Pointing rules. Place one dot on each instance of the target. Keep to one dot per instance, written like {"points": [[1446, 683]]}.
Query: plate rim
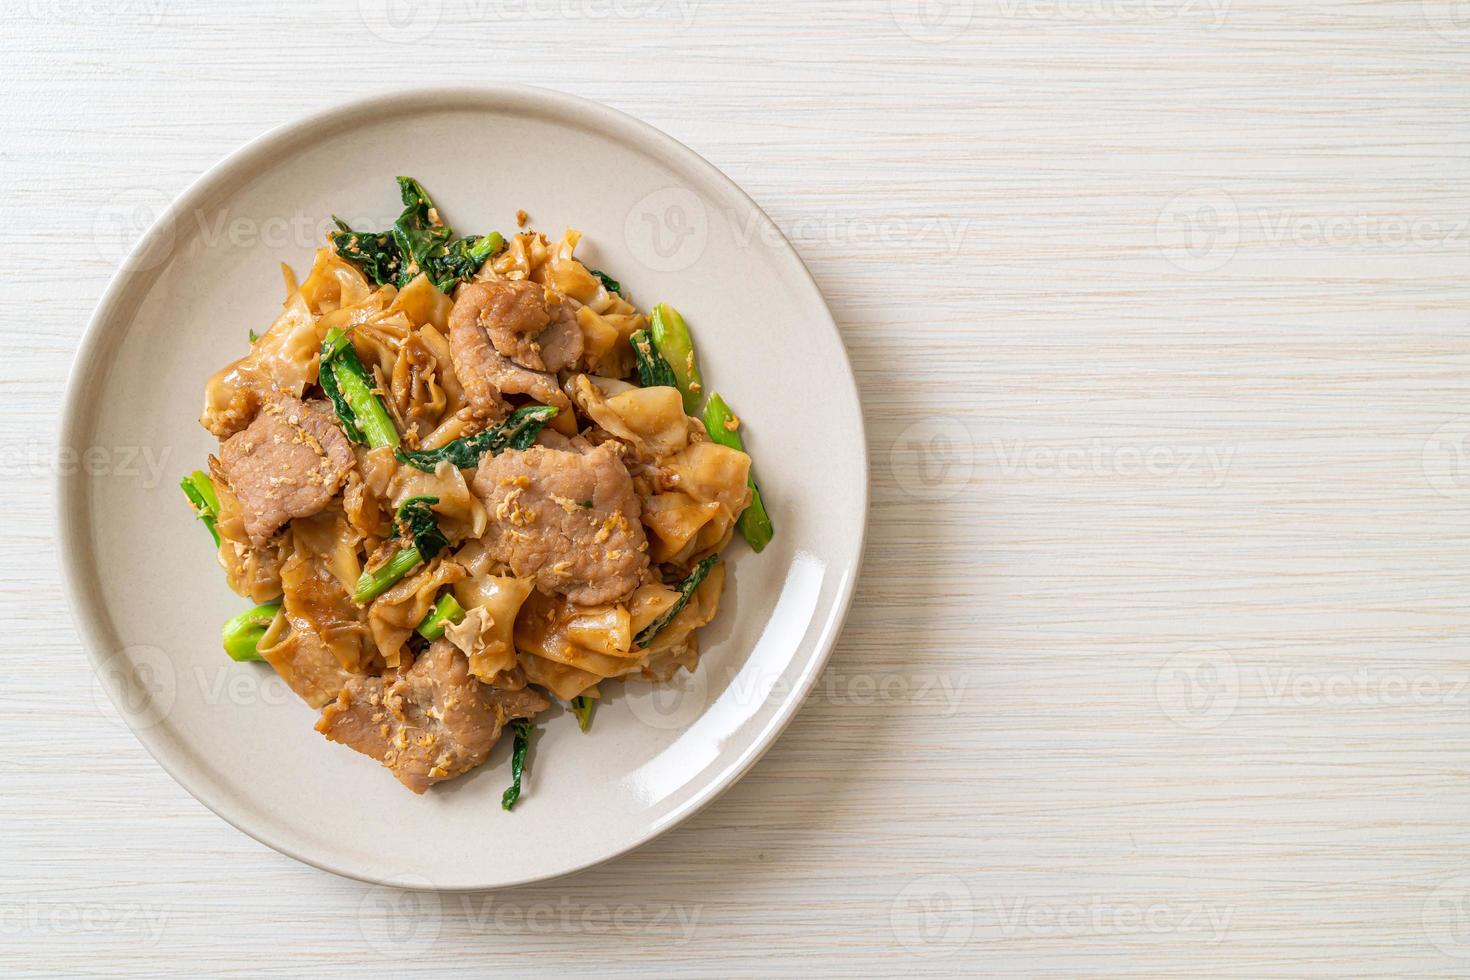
{"points": [[71, 497]]}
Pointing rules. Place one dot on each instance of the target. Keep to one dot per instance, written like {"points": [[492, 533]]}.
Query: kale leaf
{"points": [[686, 591], [522, 728], [653, 370], [415, 520], [518, 431], [608, 282], [419, 241]]}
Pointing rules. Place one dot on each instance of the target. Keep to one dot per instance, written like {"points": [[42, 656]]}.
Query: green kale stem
{"points": [[242, 634], [200, 490], [671, 336], [523, 729], [374, 583], [445, 612], [724, 428], [583, 707], [352, 392]]}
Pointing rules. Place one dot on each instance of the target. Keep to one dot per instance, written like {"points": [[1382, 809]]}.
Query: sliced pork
{"points": [[287, 463], [505, 339], [568, 518], [429, 723]]}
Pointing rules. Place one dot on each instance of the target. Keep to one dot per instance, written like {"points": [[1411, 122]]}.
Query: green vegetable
{"points": [[653, 370], [415, 520], [350, 389], [254, 336], [518, 431], [445, 611], [724, 428], [376, 254], [372, 584], [242, 634], [686, 590], [608, 282], [582, 707], [200, 490], [671, 337], [522, 728], [419, 241]]}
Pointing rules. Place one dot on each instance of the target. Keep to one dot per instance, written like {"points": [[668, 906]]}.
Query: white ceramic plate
{"points": [[150, 598]]}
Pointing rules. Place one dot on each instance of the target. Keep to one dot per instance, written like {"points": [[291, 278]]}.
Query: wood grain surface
{"points": [[1158, 664]]}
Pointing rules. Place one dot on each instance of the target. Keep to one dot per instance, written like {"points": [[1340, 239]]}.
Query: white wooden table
{"points": [[1161, 318]]}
